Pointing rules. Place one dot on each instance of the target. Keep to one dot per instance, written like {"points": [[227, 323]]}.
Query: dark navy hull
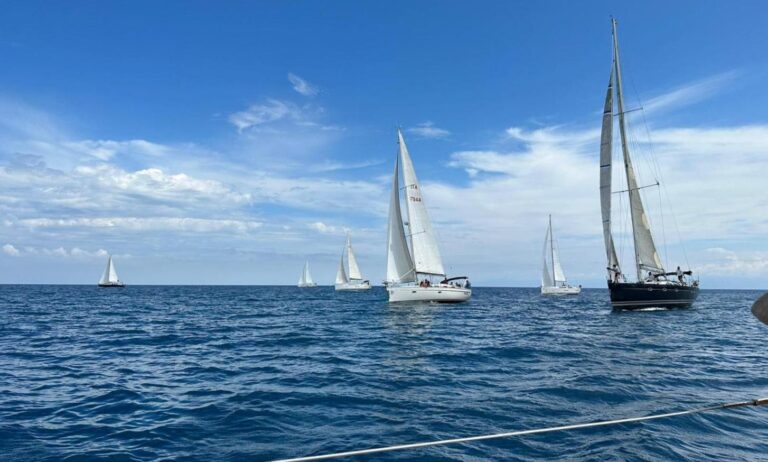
{"points": [[638, 295]]}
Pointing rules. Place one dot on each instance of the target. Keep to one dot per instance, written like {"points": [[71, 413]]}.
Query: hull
{"points": [[117, 285], [639, 295], [353, 286], [306, 286], [561, 290], [438, 293]]}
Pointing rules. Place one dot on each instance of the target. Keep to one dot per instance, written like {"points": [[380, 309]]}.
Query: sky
{"points": [[228, 142]]}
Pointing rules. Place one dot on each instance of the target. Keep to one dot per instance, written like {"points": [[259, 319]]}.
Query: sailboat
{"points": [[306, 278], [654, 286], [109, 278], [411, 272], [553, 280], [353, 281]]}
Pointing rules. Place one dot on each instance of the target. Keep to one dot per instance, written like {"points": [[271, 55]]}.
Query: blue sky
{"points": [[202, 142]]}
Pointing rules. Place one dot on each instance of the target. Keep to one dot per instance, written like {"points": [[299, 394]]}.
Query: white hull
{"points": [[353, 286], [304, 286], [437, 293], [561, 290]]}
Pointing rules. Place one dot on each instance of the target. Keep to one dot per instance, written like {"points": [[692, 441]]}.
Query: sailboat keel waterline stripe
{"points": [[602, 423]]}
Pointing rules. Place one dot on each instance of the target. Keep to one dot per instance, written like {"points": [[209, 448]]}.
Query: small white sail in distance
{"points": [[110, 274], [306, 277], [354, 269], [552, 275], [341, 275]]}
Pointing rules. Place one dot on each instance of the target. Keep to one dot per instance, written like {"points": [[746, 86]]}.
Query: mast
{"points": [[646, 256], [623, 134]]}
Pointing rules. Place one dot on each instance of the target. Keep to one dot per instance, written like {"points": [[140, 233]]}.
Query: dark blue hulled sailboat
{"points": [[655, 287]]}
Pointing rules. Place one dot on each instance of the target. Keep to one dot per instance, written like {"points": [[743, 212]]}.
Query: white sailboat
{"points": [[353, 281], [306, 278], [109, 277], [553, 280], [410, 271]]}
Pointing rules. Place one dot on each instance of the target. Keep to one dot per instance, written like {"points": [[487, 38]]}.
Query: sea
{"points": [[195, 373]]}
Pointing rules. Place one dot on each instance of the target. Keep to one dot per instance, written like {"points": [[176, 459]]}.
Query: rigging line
{"points": [[628, 111], [636, 189], [664, 193], [578, 426], [663, 230]]}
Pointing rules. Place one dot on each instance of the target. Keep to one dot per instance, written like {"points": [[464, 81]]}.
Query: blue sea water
{"points": [[256, 373]]}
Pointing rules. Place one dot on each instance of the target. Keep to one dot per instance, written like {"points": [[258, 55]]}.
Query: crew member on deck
{"points": [[679, 275], [616, 273]]}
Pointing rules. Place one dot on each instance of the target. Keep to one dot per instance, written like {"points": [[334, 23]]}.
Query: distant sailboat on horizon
{"points": [[352, 281], [109, 278], [405, 266], [655, 289], [306, 278], [553, 280]]}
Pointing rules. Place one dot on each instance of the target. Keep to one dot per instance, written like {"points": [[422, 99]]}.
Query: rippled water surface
{"points": [[257, 373]]}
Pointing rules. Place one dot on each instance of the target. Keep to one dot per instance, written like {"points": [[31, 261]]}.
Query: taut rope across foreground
{"points": [[755, 402]]}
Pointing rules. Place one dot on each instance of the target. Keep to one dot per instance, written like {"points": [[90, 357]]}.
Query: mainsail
{"points": [[646, 256], [354, 270], [606, 166], [110, 274], [426, 255], [546, 274], [399, 263], [341, 275]]}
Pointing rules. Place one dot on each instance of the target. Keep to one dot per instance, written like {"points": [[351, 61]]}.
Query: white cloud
{"points": [[321, 227], [154, 182], [281, 119], [107, 149], [727, 262], [78, 252], [301, 85], [331, 166], [9, 249], [690, 93], [259, 114], [428, 130], [198, 225]]}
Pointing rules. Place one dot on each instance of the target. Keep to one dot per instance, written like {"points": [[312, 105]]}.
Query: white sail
{"points": [[399, 262], [426, 254], [646, 256], [110, 274], [606, 166], [341, 275], [354, 270], [546, 273], [306, 275], [559, 276]]}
